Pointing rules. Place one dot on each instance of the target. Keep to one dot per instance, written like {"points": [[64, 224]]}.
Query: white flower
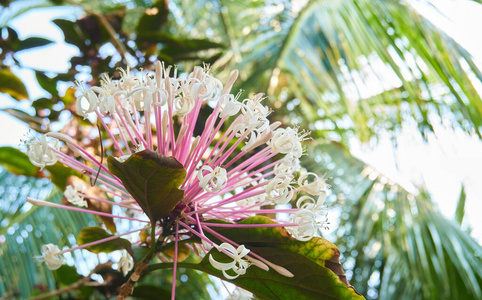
{"points": [[229, 106], [87, 101], [279, 189], [254, 116], [39, 151], [240, 294], [213, 181], [307, 202], [288, 165], [286, 141], [50, 257], [183, 105], [316, 187], [72, 195], [127, 81], [306, 225], [145, 95], [126, 263], [238, 265]]}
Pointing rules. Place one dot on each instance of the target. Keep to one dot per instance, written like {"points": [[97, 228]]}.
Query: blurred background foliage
{"points": [[342, 69]]}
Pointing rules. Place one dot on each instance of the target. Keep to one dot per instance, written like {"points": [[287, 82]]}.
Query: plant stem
{"points": [[73, 286], [127, 288]]}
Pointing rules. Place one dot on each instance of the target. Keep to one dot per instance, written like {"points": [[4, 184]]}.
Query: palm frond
{"points": [[358, 66], [396, 245], [26, 228]]}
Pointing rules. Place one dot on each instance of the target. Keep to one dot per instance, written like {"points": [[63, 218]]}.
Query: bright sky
{"points": [[442, 164]]}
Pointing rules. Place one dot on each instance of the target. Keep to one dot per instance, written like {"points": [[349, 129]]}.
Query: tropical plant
{"points": [[342, 69]]}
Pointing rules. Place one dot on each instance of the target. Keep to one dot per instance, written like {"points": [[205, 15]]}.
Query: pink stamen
{"points": [[173, 294], [55, 205], [99, 241]]}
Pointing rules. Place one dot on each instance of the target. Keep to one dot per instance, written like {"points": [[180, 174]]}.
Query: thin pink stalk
{"points": [[123, 137], [73, 162], [247, 225], [147, 125], [100, 241], [55, 205], [124, 124], [173, 293], [101, 119], [110, 202]]}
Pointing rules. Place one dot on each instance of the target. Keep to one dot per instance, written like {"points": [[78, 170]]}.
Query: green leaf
{"points": [[92, 234], [152, 179], [12, 85], [72, 33], [155, 19], [32, 42], [59, 174], [310, 281], [47, 83], [147, 291], [66, 275], [317, 249], [460, 211], [312, 262], [35, 123], [140, 252], [17, 162]]}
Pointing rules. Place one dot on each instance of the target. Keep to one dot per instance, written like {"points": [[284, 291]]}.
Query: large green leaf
{"points": [[12, 85], [152, 179], [92, 234], [17, 162], [274, 241], [317, 249], [310, 281]]}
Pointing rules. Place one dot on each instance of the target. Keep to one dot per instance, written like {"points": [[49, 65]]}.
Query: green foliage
{"points": [[17, 162], [59, 174], [330, 54], [314, 264], [152, 179], [32, 42], [93, 234], [402, 239], [318, 60], [310, 281], [12, 85], [460, 210], [25, 229]]}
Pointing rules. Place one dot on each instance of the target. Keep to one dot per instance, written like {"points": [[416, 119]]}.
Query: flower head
{"points": [[41, 151], [73, 194], [50, 256], [238, 265], [236, 164]]}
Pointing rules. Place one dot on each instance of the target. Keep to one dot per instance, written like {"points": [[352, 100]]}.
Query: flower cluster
{"points": [[239, 165]]}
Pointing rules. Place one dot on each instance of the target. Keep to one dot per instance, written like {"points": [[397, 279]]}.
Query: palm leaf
{"points": [[25, 229], [368, 65], [396, 245]]}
